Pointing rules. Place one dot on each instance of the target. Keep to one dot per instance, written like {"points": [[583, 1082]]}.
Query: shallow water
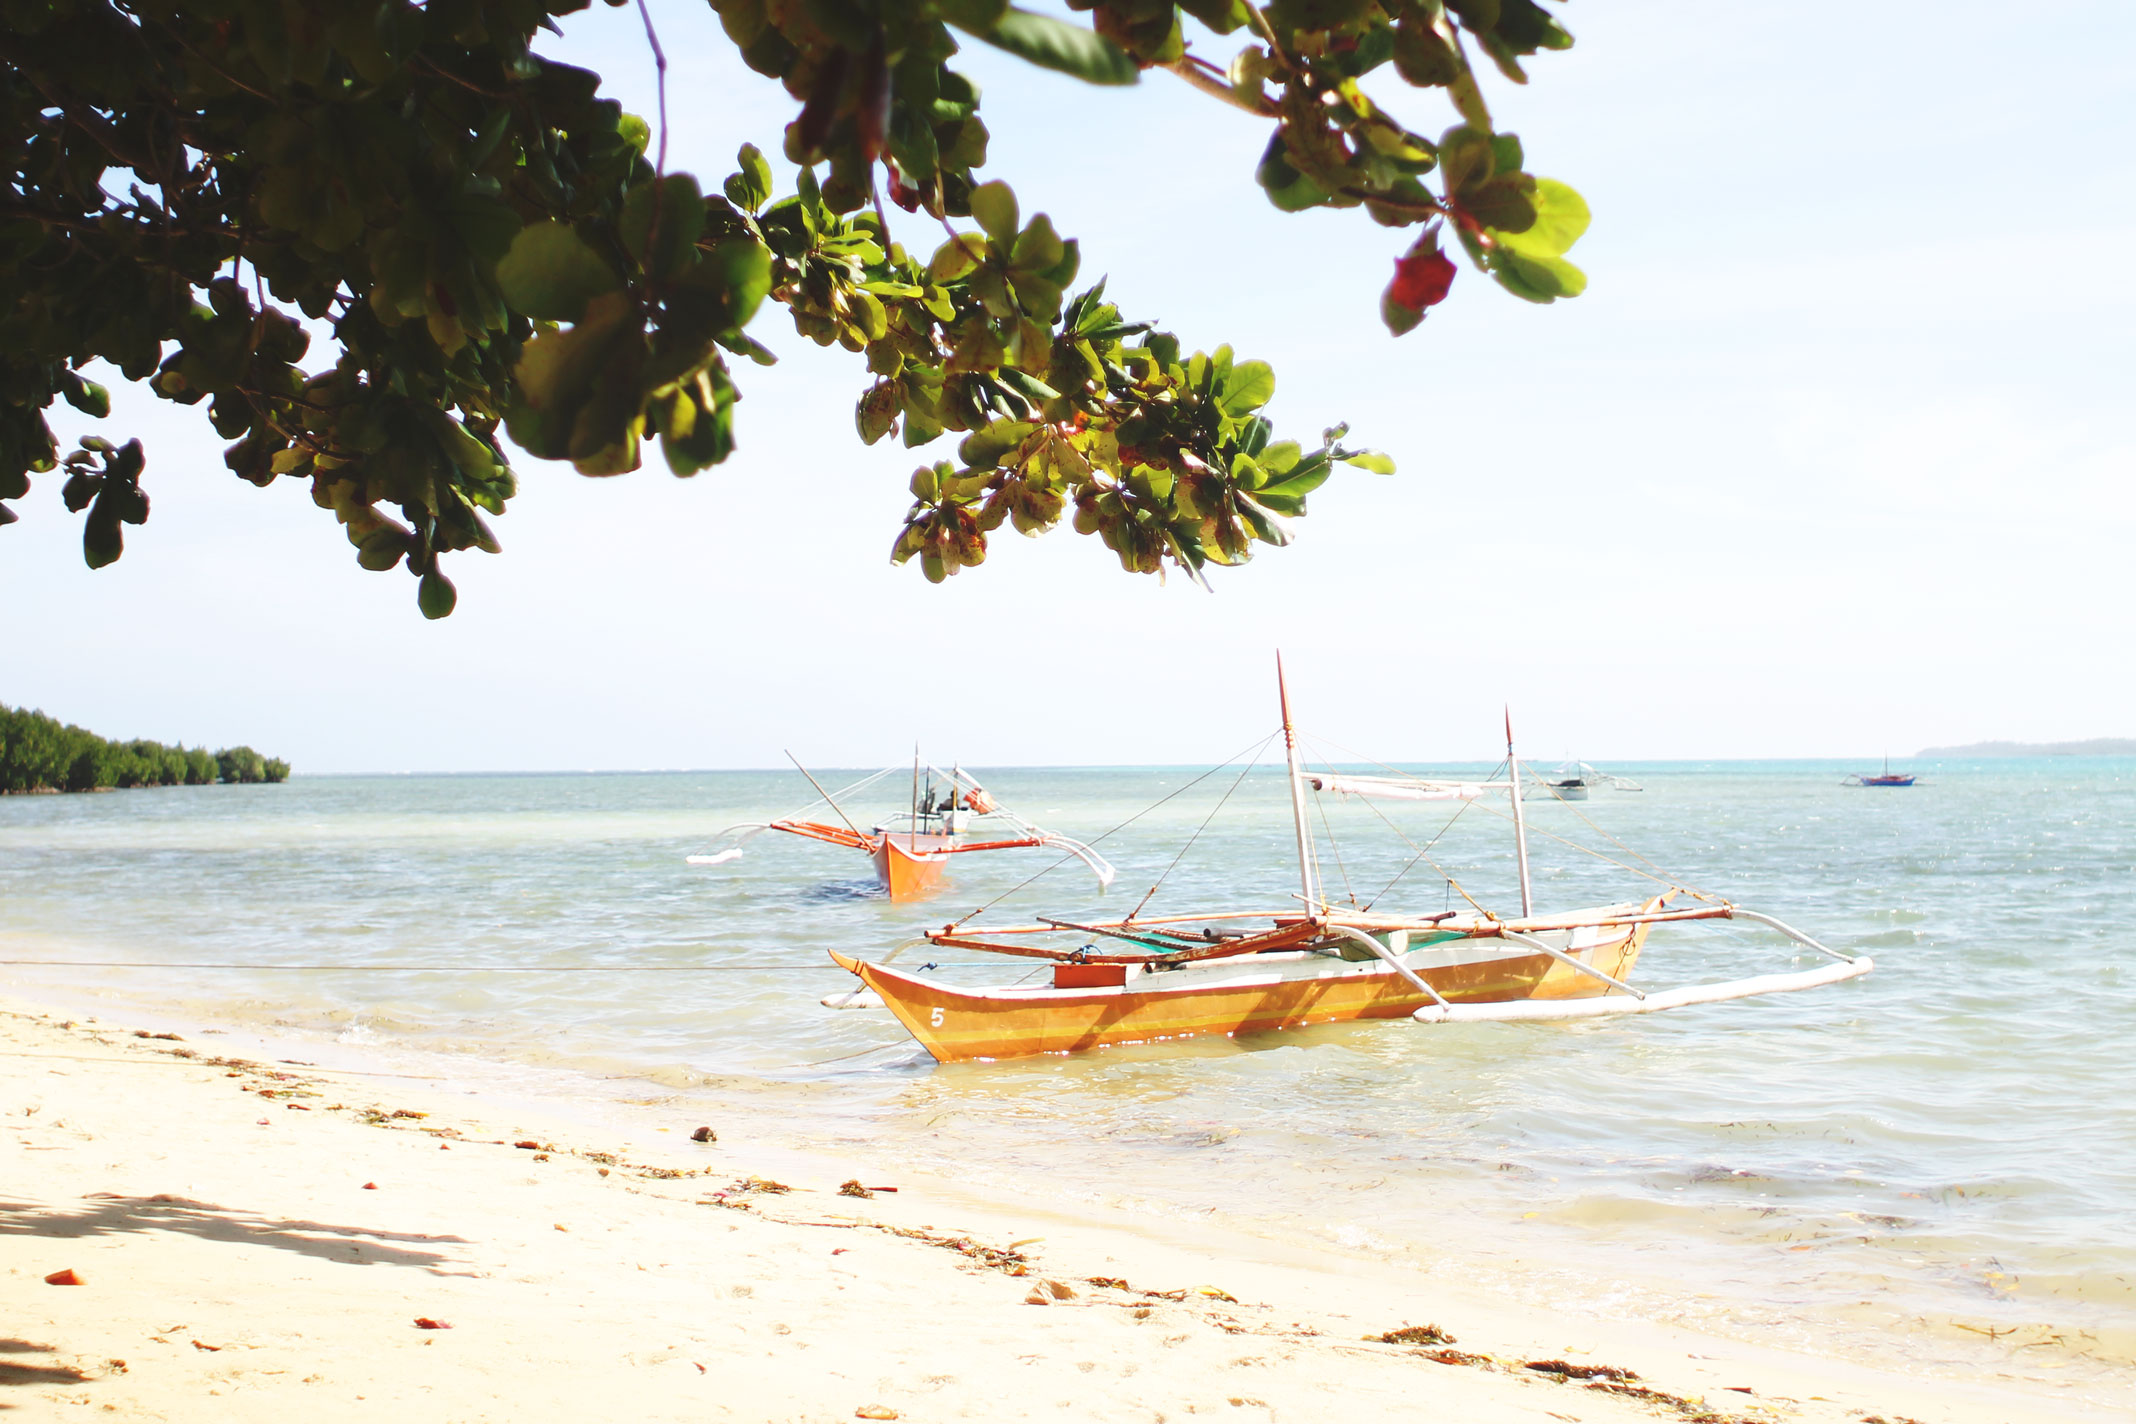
{"points": [[1948, 1145]]}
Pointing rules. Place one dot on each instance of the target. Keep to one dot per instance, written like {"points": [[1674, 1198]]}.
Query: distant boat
{"points": [[1887, 778], [911, 849], [1573, 780]]}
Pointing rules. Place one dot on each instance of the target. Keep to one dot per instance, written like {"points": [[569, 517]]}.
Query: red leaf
{"points": [[1423, 277]]}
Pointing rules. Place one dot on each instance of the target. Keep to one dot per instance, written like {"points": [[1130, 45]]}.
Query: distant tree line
{"points": [[40, 753]]}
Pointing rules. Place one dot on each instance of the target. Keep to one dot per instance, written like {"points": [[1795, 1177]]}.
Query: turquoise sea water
{"points": [[1945, 1149]]}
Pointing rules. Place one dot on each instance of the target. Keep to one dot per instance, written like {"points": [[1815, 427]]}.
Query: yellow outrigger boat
{"points": [[1186, 976]]}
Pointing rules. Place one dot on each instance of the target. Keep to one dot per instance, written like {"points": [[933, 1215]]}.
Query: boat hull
{"points": [[909, 867], [1613, 951], [1230, 997]]}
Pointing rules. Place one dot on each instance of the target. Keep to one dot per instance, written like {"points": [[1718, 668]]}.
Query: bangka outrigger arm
{"points": [[1635, 1002]]}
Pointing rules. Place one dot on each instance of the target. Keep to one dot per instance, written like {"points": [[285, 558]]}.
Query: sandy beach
{"points": [[260, 1240]]}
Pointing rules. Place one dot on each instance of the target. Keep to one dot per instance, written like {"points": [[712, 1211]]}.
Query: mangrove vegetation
{"points": [[40, 753]]}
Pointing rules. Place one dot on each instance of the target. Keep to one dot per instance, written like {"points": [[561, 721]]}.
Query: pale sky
{"points": [[1833, 458]]}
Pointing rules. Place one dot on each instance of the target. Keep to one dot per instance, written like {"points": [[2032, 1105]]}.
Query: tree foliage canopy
{"points": [[40, 753], [200, 186]]}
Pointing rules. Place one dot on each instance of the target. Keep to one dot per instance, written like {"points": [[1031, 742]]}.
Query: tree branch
{"points": [[1204, 77], [89, 223]]}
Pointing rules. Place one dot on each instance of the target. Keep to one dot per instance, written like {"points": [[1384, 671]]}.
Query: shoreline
{"points": [[210, 1190]]}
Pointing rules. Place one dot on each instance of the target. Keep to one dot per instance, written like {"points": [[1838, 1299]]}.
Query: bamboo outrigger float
{"points": [[911, 850], [1184, 976]]}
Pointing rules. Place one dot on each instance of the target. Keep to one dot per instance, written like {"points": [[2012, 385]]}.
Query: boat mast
{"points": [[1297, 790], [825, 795], [1520, 824]]}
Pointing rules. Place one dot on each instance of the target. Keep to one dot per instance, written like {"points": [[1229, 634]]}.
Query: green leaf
{"points": [[1287, 188], [1249, 386], [1399, 320], [87, 396], [986, 447], [1506, 203], [1056, 44], [1280, 458], [1371, 460], [1561, 219], [972, 16], [1026, 385], [1222, 16], [1150, 482], [743, 269], [1420, 55], [1465, 157], [1038, 248], [697, 425], [680, 210], [955, 258], [1530, 264], [1540, 279], [994, 209], [1268, 526], [750, 188], [1287, 496], [579, 386], [436, 595], [102, 541], [382, 548], [550, 273]]}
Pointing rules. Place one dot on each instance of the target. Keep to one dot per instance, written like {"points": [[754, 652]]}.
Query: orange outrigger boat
{"points": [[909, 862], [1186, 976]]}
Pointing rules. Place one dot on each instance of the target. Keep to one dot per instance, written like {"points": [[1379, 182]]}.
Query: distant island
{"points": [[43, 754], [2097, 746]]}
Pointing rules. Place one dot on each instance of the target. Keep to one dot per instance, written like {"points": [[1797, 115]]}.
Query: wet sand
{"points": [[263, 1240]]}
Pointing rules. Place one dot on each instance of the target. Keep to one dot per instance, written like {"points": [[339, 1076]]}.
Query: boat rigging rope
{"points": [[1321, 806], [749, 830], [1251, 762], [827, 798], [1255, 751], [1657, 875], [1349, 892], [1423, 854]]}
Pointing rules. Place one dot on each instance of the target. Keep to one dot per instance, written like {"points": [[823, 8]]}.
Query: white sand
{"points": [[236, 1266]]}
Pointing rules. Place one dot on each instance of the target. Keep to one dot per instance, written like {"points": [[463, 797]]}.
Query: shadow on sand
{"points": [[106, 1215], [20, 1373]]}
